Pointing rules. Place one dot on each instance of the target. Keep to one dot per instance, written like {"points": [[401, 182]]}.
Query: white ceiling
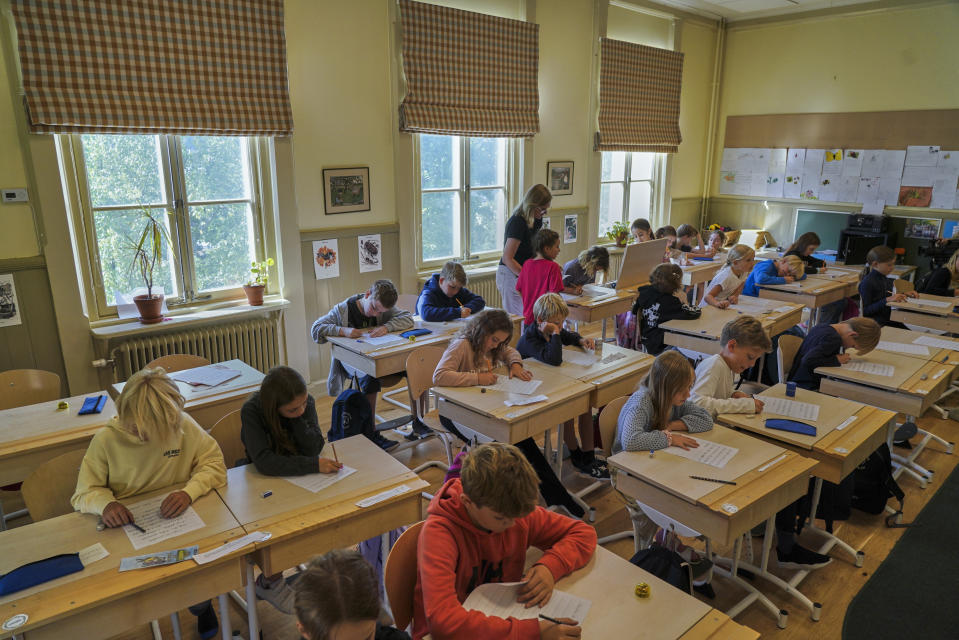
{"points": [[734, 10]]}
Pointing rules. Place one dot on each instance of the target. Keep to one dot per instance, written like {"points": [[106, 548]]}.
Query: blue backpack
{"points": [[351, 416]]}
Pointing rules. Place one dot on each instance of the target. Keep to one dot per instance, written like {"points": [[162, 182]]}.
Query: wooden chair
{"points": [[226, 432], [399, 576], [22, 387], [178, 362], [902, 285], [47, 491], [608, 419], [420, 365], [785, 354]]}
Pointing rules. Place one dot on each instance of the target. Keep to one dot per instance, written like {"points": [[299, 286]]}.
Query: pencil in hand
{"points": [[138, 527], [335, 457]]}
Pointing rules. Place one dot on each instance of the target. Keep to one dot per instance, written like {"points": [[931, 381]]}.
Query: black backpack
{"points": [[351, 416], [923, 281], [873, 484], [667, 565]]}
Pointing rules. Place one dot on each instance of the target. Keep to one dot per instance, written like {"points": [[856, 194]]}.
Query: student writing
{"points": [[823, 347], [641, 230], [445, 297], [743, 342], [876, 288], [661, 301], [584, 268], [726, 286], [689, 241], [782, 271]]}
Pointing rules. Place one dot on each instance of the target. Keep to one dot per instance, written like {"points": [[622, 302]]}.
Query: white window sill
{"points": [[232, 310]]}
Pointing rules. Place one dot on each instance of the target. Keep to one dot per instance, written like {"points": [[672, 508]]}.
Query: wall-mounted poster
{"points": [[371, 253], [571, 229], [9, 310], [326, 259], [346, 190], [923, 228], [559, 177]]}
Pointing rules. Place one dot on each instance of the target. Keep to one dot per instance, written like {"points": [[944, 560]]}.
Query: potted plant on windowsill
{"points": [[147, 256], [619, 233], [255, 288]]}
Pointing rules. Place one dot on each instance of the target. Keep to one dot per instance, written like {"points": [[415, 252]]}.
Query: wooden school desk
{"points": [[928, 316], [205, 404], [768, 478], [584, 309], [811, 293], [839, 445], [906, 271], [99, 602], [905, 336], [699, 272], [838, 274], [616, 372], [304, 524], [616, 612], [703, 334], [484, 411], [31, 435]]}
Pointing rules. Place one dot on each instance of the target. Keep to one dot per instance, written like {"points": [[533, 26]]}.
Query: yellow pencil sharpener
{"points": [[63, 406], [642, 590]]}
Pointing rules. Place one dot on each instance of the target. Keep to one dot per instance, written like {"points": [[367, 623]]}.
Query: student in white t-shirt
{"points": [[743, 342], [727, 284]]}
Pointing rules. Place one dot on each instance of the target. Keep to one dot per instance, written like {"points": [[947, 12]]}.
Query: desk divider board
{"points": [[639, 260]]}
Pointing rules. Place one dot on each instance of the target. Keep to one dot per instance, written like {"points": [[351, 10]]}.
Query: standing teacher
{"points": [[526, 220]]}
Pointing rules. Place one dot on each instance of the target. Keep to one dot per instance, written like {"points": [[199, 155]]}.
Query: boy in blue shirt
{"points": [[445, 297], [782, 271]]}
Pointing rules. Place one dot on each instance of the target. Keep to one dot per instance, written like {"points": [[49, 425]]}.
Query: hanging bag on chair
{"points": [[351, 414]]}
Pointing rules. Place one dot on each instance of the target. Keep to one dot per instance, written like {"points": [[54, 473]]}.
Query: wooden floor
{"points": [[834, 586]]}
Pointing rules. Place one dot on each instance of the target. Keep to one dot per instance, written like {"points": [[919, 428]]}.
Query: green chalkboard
{"points": [[826, 224]]}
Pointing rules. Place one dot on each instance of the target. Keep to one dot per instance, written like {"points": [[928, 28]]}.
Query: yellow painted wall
{"points": [[19, 238], [698, 44], [638, 27]]}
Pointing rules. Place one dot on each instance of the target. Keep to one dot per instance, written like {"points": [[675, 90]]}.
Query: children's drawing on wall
{"points": [[371, 253], [832, 162], [571, 229], [326, 259], [916, 197], [792, 185], [9, 310]]}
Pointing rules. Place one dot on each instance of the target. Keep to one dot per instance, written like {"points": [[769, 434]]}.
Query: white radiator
{"points": [[254, 341], [615, 262], [485, 285]]}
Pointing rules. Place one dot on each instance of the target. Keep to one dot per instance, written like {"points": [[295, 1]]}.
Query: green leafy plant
{"points": [[618, 232], [148, 250], [261, 269]]}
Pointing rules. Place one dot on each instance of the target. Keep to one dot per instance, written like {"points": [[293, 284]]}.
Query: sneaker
{"points": [[802, 558], [419, 430], [903, 433], [597, 471], [279, 594], [383, 442], [207, 626]]}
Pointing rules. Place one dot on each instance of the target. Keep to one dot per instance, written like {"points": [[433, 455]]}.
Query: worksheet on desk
{"points": [[582, 358], [499, 599], [937, 343], [903, 347], [147, 515], [596, 291], [210, 375], [873, 368], [942, 304], [318, 481], [389, 338], [515, 385], [711, 453], [790, 408]]}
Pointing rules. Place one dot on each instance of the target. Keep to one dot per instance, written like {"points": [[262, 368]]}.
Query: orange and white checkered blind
{"points": [[216, 67], [639, 89], [468, 74]]}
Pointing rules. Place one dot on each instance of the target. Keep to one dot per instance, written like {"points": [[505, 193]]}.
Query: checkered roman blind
{"points": [[210, 67], [639, 89], [468, 74]]}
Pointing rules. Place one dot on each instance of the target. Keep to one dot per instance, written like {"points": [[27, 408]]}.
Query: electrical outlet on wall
{"points": [[13, 195]]}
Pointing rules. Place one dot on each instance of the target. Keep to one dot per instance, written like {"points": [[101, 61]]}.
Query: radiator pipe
{"points": [[103, 363]]}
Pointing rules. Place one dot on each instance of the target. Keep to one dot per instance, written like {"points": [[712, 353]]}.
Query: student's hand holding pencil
{"points": [[175, 504], [381, 330], [566, 628], [116, 515], [329, 466], [537, 587]]}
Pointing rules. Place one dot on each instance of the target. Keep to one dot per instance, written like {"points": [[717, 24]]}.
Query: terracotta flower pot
{"points": [[621, 240], [149, 308], [254, 294]]}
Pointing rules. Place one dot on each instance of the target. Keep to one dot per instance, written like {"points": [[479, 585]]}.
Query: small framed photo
{"points": [[346, 190], [559, 178]]}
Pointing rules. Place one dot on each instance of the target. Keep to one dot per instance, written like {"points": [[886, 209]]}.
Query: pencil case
{"points": [[93, 404], [34, 573], [790, 425], [702, 259], [413, 333]]}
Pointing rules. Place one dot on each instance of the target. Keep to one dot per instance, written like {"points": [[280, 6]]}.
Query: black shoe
{"points": [[903, 433], [598, 470], [705, 589], [802, 558], [207, 626], [384, 443], [419, 430]]}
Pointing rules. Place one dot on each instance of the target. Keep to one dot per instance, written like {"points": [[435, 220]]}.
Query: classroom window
{"points": [[462, 194], [629, 187], [202, 187]]}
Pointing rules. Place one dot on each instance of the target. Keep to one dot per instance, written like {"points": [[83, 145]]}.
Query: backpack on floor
{"points": [[666, 565], [835, 502], [873, 483], [351, 416]]}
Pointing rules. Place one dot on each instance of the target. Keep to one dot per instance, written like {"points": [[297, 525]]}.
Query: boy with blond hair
{"points": [[782, 271], [544, 340], [478, 529], [743, 342], [445, 297]]}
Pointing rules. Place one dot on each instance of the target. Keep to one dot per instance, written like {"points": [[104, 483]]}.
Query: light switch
{"points": [[13, 195]]}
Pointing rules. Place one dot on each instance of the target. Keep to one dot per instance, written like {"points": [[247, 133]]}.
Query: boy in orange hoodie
{"points": [[478, 529]]}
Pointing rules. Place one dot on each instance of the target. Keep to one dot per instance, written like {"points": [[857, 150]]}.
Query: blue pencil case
{"points": [[93, 404], [34, 573], [413, 333], [702, 258], [790, 425]]}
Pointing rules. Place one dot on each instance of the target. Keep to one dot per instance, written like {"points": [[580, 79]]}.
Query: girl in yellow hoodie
{"points": [[151, 444]]}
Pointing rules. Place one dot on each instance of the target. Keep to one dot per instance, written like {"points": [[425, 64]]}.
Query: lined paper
{"points": [[499, 600], [937, 343], [791, 408], [583, 359], [942, 304], [902, 347], [389, 338], [516, 400], [711, 453], [873, 368], [147, 515], [318, 481], [210, 375], [515, 385]]}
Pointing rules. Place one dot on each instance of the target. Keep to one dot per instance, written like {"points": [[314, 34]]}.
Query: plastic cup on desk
{"points": [[791, 389]]}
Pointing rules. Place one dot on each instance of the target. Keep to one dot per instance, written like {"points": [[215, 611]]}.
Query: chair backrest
{"points": [[903, 286], [608, 418], [47, 491], [178, 362], [420, 365], [785, 354], [399, 575], [22, 387], [226, 432], [407, 302]]}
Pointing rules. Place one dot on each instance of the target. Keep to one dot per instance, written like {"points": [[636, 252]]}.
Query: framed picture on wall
{"points": [[346, 190], [559, 178]]}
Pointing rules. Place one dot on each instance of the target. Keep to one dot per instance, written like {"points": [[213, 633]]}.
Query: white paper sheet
{"points": [[775, 183], [318, 481], [852, 162], [583, 359], [942, 304], [147, 515], [597, 291], [937, 343], [873, 207], [210, 375], [873, 368], [918, 176], [711, 453], [848, 189], [383, 495], [892, 164], [499, 600], [922, 156], [949, 158], [868, 190], [944, 194], [389, 338], [231, 546], [777, 161], [515, 385], [795, 159], [902, 347], [829, 188], [812, 165], [791, 408], [889, 190], [792, 186], [519, 400], [93, 553], [832, 164], [811, 185]]}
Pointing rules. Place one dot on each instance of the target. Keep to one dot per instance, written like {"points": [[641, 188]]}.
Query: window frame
{"points": [[657, 185], [99, 304], [465, 257]]}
